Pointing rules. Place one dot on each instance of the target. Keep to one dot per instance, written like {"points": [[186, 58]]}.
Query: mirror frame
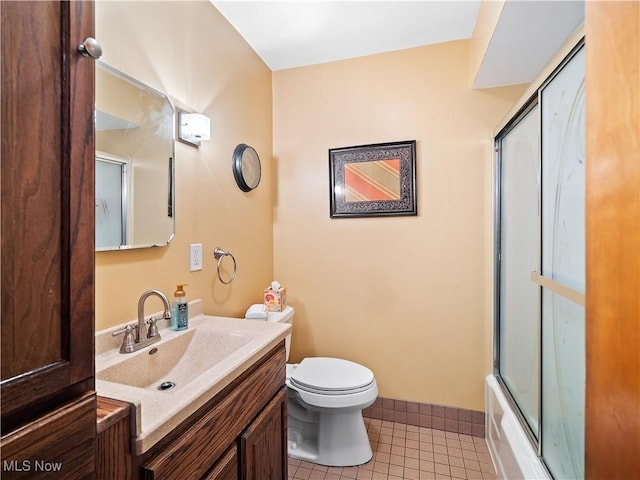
{"points": [[406, 203], [170, 165]]}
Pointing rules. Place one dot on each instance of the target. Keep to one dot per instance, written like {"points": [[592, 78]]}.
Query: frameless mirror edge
{"points": [[129, 78]]}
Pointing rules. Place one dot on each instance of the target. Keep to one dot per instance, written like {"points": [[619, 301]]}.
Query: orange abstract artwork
{"points": [[371, 181]]}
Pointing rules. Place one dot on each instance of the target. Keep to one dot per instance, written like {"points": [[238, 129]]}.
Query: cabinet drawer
{"points": [[60, 445], [193, 453]]}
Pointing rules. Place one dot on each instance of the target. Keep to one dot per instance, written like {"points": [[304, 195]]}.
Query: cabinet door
{"points": [[264, 443], [226, 468], [47, 216]]}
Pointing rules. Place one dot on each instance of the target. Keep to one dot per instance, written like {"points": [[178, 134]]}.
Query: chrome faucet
{"points": [[142, 338]]}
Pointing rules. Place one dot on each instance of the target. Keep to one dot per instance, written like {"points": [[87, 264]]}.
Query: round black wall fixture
{"points": [[246, 167]]}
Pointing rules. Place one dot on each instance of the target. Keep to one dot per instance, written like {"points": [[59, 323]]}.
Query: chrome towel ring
{"points": [[219, 254]]}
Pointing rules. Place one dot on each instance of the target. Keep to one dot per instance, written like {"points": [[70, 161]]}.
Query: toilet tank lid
{"points": [[332, 374], [284, 316]]}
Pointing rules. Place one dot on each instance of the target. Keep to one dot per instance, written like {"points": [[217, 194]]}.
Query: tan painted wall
{"points": [[189, 51], [407, 296]]}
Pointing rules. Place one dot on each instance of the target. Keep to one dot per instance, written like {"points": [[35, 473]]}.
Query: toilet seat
{"points": [[330, 376]]}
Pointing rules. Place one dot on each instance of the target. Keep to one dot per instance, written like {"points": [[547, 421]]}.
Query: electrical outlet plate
{"points": [[195, 257]]}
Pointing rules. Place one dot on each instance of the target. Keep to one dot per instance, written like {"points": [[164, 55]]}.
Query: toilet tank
{"points": [[285, 316]]}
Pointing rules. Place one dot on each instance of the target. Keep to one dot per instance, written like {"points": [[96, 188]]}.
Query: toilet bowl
{"points": [[325, 401]]}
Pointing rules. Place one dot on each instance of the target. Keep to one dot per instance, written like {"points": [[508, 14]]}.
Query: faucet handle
{"points": [[128, 341], [153, 328]]}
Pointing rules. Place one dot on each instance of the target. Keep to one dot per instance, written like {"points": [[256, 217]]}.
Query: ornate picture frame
{"points": [[373, 180]]}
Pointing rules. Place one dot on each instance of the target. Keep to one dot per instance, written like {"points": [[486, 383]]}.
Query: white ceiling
{"points": [[293, 33]]}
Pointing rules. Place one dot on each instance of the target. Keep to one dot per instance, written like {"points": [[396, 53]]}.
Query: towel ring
{"points": [[219, 254]]}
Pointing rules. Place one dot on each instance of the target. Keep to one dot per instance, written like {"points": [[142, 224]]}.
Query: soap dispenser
{"points": [[180, 309]]}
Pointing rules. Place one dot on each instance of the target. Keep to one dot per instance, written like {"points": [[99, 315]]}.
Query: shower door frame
{"points": [[532, 101], [528, 106]]}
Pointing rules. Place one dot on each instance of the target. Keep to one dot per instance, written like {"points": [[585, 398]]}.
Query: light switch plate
{"points": [[195, 257]]}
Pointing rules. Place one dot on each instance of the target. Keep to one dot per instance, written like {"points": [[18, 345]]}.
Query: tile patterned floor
{"points": [[408, 452]]}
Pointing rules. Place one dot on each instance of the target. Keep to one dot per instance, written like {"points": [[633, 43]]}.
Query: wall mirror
{"points": [[373, 180], [134, 163]]}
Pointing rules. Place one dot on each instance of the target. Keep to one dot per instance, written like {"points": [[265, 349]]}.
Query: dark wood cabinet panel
{"points": [[263, 445], [190, 451], [47, 247], [59, 445], [226, 468], [31, 179], [47, 212], [113, 443]]}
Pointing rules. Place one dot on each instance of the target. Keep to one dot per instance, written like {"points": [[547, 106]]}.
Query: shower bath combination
{"points": [[536, 397]]}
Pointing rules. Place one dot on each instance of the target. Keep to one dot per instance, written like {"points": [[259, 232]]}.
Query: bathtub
{"points": [[512, 454]]}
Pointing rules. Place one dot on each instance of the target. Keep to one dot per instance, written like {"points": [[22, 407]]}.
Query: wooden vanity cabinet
{"points": [[260, 452], [248, 417], [240, 433]]}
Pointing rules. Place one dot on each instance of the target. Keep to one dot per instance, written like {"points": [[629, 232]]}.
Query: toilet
{"points": [[325, 401]]}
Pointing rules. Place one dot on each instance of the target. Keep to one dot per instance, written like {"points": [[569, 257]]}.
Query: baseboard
{"points": [[439, 417]]}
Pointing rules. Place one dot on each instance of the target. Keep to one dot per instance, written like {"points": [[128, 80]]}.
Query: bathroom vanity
{"points": [[238, 434], [229, 421]]}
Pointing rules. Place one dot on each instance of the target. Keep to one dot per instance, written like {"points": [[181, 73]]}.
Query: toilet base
{"points": [[335, 439]]}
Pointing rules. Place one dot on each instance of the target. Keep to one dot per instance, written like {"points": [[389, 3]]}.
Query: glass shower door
{"points": [[519, 252], [541, 268], [563, 270]]}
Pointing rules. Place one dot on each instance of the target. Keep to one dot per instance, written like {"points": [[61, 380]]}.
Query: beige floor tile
{"points": [[442, 469], [381, 467], [457, 472], [302, 473], [408, 452], [396, 470], [412, 444], [412, 463], [454, 452], [441, 449], [317, 475], [439, 440]]}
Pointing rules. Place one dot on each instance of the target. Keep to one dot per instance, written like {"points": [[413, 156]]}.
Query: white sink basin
{"points": [[169, 380], [177, 360]]}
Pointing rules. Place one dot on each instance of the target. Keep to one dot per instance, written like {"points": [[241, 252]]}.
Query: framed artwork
{"points": [[373, 180]]}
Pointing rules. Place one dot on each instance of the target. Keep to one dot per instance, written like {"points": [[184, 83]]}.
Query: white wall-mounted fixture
{"points": [[195, 257], [193, 128]]}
